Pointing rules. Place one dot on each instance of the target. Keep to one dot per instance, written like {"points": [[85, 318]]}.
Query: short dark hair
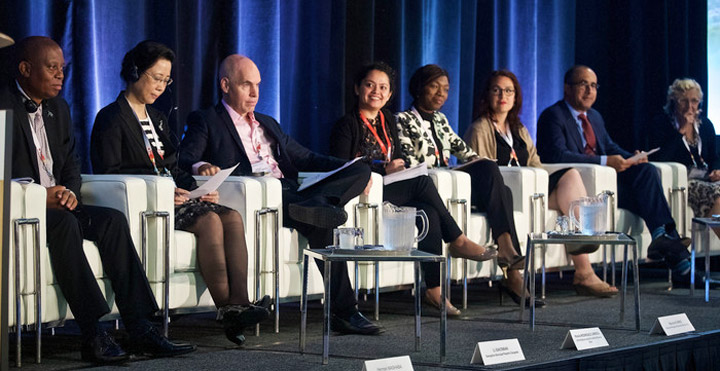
{"points": [[143, 56], [379, 66], [423, 76], [571, 73]]}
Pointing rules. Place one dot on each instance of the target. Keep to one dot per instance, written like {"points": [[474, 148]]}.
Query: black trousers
{"points": [[108, 228], [337, 190], [490, 195], [640, 191], [421, 193]]}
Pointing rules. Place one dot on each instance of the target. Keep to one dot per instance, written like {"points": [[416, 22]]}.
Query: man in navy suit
{"points": [[232, 132], [44, 150], [571, 131]]}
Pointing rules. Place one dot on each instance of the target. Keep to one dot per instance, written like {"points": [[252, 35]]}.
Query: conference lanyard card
{"points": [[672, 325], [389, 364], [497, 351], [584, 338]]}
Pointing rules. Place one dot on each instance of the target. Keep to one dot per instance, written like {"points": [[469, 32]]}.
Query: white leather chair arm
{"points": [[126, 193]]}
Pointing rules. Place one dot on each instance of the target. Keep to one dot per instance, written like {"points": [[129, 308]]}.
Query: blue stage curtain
{"points": [[308, 52]]}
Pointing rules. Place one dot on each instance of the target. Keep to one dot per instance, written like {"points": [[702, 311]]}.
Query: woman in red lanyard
{"points": [[497, 133], [684, 136], [131, 137], [369, 130]]}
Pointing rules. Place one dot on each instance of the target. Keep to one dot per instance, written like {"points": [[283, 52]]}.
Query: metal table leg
{"points": [[707, 278], [444, 272], [623, 282], [377, 291], [636, 274], [418, 309], [532, 289], [303, 305], [326, 313], [695, 236]]}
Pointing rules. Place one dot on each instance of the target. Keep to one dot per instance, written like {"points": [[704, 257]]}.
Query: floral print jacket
{"points": [[418, 146]]}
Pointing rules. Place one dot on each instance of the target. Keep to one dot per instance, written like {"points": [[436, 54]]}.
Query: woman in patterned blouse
{"points": [[369, 130], [426, 136]]}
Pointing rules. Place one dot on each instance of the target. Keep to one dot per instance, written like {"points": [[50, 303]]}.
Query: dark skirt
{"points": [[187, 213], [555, 178]]}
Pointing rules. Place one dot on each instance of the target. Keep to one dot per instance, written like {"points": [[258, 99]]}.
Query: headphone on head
{"points": [[134, 72]]}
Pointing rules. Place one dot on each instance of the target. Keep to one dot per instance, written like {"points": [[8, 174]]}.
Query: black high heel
{"points": [[516, 298], [517, 262]]}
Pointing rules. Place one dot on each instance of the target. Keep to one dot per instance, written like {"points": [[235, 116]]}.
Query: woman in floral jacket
{"points": [[426, 136]]}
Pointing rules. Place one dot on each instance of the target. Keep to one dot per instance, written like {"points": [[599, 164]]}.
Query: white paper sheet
{"points": [[317, 177], [409, 173], [642, 154], [213, 183]]}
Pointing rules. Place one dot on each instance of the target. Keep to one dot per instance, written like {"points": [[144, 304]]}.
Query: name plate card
{"points": [[584, 338], [389, 364], [672, 325], [497, 351]]}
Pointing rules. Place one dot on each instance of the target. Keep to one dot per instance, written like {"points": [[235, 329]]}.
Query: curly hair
{"points": [[677, 89], [482, 106]]}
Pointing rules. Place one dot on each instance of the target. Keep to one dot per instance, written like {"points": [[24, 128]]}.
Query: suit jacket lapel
{"points": [[132, 126], [24, 124], [572, 126], [227, 121]]}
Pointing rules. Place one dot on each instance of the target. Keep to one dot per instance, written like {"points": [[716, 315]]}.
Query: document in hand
{"points": [[409, 173], [643, 154], [317, 177], [213, 183]]}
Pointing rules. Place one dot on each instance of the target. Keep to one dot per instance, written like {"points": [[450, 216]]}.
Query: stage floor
{"points": [[485, 319]]}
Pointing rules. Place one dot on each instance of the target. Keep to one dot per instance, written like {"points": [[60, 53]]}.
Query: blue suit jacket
{"points": [[211, 136], [663, 134], [559, 140]]}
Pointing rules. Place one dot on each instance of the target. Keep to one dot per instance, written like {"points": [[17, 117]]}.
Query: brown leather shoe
{"points": [[598, 290]]}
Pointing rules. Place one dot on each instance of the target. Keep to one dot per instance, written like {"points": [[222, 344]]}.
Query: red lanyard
{"points": [[385, 149]]}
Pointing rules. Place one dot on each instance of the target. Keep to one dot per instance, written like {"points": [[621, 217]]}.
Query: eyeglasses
{"points": [[496, 90], [584, 84], [160, 80]]}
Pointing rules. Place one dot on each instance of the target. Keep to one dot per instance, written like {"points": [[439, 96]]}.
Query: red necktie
{"points": [[589, 135]]}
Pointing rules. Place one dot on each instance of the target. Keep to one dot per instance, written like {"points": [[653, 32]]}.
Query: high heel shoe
{"points": [[488, 254], [517, 262], [451, 310], [516, 298]]}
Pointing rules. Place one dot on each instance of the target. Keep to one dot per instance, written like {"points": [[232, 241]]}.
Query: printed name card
{"points": [[672, 325], [497, 351], [389, 364], [584, 338]]}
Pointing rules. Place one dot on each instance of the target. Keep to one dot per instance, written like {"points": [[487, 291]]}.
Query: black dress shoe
{"points": [[516, 298], [317, 212], [153, 344], [264, 302], [356, 324], [102, 349], [237, 318], [672, 250]]}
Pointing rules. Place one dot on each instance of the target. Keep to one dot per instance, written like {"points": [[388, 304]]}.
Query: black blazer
{"points": [[211, 136], [117, 145], [664, 135], [60, 134], [558, 138], [346, 137]]}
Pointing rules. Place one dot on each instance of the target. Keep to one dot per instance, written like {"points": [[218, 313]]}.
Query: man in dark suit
{"points": [[44, 150], [232, 132], [571, 131]]}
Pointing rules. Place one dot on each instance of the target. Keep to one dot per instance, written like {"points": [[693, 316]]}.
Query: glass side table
{"points": [[702, 227], [541, 239], [330, 256]]}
